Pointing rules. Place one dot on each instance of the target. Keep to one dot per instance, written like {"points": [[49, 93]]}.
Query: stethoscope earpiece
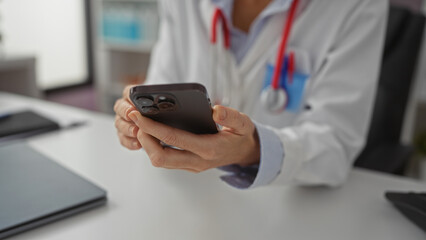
{"points": [[274, 100]]}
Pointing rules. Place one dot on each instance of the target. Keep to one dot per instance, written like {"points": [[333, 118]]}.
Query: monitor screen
{"points": [[54, 32]]}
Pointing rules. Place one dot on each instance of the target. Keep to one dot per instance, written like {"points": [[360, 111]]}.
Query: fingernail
{"points": [[222, 114], [132, 130], [133, 116], [135, 144], [128, 111]]}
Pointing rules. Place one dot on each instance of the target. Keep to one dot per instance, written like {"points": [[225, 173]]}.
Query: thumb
{"points": [[233, 119], [136, 117]]}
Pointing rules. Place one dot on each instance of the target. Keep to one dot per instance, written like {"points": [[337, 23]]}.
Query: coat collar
{"points": [[267, 37]]}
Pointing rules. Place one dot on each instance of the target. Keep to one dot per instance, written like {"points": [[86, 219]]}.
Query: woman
{"points": [[326, 80]]}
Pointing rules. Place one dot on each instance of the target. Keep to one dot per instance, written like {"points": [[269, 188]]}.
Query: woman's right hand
{"points": [[126, 128]]}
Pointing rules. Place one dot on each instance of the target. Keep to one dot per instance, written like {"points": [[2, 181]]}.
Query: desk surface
{"points": [[150, 203]]}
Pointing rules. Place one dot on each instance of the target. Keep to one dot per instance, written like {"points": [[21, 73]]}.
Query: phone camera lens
{"points": [[166, 104], [145, 102], [150, 110]]}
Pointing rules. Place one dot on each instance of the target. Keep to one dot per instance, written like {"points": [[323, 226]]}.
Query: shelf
{"points": [[129, 47]]}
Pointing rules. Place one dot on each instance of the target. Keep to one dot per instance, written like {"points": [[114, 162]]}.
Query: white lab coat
{"points": [[337, 42]]}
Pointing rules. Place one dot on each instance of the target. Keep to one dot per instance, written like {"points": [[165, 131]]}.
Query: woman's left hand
{"points": [[236, 143]]}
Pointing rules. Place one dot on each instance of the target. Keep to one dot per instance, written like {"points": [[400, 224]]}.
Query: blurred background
{"points": [[83, 52], [77, 52]]}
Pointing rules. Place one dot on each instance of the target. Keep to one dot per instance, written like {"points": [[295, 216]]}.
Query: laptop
{"points": [[35, 190], [24, 124]]}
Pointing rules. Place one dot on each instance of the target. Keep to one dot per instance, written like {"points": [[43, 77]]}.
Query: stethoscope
{"points": [[274, 97]]}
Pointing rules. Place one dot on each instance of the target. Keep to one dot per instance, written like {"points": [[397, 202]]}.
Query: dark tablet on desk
{"points": [[35, 190], [24, 124]]}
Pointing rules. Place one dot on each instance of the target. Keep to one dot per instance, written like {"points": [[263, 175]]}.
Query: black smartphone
{"points": [[183, 105]]}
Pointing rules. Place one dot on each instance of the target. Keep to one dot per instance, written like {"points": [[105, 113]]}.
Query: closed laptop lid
{"points": [[33, 188], [26, 122]]}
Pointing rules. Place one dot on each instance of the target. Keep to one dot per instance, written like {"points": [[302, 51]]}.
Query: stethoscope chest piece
{"points": [[274, 100]]}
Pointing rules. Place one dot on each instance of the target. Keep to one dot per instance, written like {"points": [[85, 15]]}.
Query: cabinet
{"points": [[18, 75], [125, 32]]}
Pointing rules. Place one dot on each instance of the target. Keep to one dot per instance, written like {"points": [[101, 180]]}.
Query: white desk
{"points": [[150, 203]]}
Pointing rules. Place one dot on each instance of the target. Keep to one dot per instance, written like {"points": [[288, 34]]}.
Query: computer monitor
{"points": [[57, 33]]}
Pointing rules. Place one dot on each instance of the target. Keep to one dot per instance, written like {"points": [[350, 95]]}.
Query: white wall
{"points": [[53, 31]]}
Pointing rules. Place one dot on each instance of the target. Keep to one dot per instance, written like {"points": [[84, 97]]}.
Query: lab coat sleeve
{"points": [[271, 159], [322, 145], [164, 67]]}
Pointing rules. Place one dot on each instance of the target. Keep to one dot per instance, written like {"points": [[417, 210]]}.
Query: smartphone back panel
{"points": [[185, 106]]}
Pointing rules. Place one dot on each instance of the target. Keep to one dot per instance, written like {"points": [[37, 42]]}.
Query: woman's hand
{"points": [[236, 143], [126, 128]]}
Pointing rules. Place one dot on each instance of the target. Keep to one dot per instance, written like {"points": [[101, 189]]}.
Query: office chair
{"points": [[384, 151]]}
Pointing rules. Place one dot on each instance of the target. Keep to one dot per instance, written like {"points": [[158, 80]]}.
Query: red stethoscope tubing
{"points": [[218, 15], [282, 48], [275, 84]]}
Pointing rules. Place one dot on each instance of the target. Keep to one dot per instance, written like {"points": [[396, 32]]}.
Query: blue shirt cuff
{"points": [[271, 159]]}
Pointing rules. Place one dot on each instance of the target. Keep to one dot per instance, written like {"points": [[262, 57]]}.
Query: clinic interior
{"points": [[98, 59], [83, 53], [106, 45]]}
